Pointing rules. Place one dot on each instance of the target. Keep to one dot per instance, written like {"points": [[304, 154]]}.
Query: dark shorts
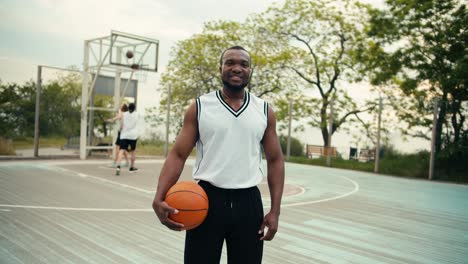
{"points": [[234, 215], [117, 141], [126, 143]]}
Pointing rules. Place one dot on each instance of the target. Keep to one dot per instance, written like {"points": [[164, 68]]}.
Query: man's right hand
{"points": [[162, 210]]}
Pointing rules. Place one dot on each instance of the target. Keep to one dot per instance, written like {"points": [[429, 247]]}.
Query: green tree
{"points": [[17, 107], [59, 108], [297, 148], [322, 39], [194, 66], [420, 50]]}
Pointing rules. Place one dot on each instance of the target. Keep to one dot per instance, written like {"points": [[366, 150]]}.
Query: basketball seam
{"points": [[192, 210], [167, 195]]}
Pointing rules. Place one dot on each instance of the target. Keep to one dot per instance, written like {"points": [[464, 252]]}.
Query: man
{"points": [[128, 137], [117, 120], [229, 128]]}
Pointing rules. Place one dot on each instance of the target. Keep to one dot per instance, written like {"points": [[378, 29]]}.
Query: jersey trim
{"points": [[229, 108], [199, 143], [198, 108]]}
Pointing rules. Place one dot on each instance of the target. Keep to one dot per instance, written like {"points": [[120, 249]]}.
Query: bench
{"points": [[366, 155], [315, 151]]}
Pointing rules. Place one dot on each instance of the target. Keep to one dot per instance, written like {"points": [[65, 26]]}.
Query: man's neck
{"points": [[233, 95]]}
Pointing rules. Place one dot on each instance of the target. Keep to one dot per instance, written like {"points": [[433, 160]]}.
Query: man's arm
{"points": [[174, 165], [275, 166]]}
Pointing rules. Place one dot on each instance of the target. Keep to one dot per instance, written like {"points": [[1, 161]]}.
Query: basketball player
{"points": [[229, 128], [128, 137], [117, 119]]}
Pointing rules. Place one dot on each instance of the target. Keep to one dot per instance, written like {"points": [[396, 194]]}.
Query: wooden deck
{"points": [[78, 212]]}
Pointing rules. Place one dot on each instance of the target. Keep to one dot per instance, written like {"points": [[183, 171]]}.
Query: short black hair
{"points": [[131, 107], [232, 48]]}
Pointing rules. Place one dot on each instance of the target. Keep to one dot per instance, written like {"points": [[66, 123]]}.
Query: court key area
{"points": [[71, 211]]}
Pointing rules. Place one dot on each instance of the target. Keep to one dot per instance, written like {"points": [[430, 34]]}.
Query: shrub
{"points": [[296, 146], [6, 147]]}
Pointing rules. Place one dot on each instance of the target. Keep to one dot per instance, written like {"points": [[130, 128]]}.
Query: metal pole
{"points": [[36, 114], [117, 101], [434, 124], [377, 146], [84, 103], [288, 146], [330, 128], [166, 145]]}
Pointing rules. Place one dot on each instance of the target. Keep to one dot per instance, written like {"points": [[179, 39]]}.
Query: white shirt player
{"points": [[129, 126], [229, 152]]}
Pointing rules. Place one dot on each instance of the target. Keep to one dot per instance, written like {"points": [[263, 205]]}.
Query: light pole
{"points": [[377, 146], [166, 145], [330, 131], [288, 146], [434, 124]]}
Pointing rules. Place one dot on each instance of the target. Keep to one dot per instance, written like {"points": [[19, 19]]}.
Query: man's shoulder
{"points": [[257, 99], [208, 95]]}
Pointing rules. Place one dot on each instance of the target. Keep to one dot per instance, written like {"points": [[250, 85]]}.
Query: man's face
{"points": [[235, 69]]}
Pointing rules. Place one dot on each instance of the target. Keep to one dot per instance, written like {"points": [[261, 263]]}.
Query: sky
{"points": [[52, 33]]}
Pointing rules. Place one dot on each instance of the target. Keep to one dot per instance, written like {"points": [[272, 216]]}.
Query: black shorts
{"points": [[125, 143], [234, 215], [117, 141]]}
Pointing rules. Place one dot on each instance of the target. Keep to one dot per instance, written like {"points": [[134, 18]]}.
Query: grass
{"points": [[405, 165], [6, 147], [395, 164], [44, 142], [152, 147], [149, 149]]}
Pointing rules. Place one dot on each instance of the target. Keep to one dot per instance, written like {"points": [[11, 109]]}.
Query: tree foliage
{"points": [[17, 107], [194, 70], [296, 147], [302, 51], [60, 105], [420, 51], [322, 39]]}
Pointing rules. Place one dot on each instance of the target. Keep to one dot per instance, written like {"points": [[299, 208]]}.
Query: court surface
{"points": [[71, 211]]}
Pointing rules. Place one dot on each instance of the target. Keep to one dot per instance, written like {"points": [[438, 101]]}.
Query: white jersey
{"points": [[129, 126], [229, 152]]}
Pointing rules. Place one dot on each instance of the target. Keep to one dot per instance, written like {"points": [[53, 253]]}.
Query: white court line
{"points": [[82, 175], [356, 189], [74, 208]]}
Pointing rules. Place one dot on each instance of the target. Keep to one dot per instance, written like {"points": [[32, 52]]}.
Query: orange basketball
{"points": [[191, 201]]}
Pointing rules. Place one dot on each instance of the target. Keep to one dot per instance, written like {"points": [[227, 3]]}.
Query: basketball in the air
{"points": [[191, 201], [129, 54]]}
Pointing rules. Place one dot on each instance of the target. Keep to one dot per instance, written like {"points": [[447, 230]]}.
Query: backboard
{"points": [[145, 51]]}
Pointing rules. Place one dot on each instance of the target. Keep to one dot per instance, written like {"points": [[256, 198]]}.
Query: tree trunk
{"points": [[324, 122], [440, 123]]}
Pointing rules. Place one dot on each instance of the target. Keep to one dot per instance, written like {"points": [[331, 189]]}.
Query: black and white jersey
{"points": [[229, 150]]}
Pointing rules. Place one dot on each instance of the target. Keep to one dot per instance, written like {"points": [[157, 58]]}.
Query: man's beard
{"points": [[234, 88]]}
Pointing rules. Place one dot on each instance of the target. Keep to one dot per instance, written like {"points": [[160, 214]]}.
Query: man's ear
{"points": [[251, 74]]}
